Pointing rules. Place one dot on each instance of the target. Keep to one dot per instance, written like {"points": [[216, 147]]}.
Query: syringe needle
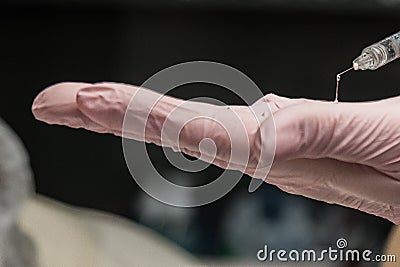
{"points": [[343, 72], [337, 83]]}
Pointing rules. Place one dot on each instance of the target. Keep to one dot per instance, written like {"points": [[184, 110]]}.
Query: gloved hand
{"points": [[346, 153]]}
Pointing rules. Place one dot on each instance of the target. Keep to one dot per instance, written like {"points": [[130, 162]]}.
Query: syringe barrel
{"points": [[379, 54]]}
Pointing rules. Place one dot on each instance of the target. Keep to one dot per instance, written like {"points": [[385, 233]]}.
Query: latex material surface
{"points": [[346, 153]]}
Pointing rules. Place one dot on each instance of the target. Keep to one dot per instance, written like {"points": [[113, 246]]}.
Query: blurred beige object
{"points": [[16, 248], [393, 247], [68, 236]]}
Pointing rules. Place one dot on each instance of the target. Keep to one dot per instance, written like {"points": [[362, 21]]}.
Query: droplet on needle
{"points": [[337, 84]]}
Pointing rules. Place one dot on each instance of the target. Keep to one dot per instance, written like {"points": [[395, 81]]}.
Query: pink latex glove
{"points": [[101, 108], [346, 153]]}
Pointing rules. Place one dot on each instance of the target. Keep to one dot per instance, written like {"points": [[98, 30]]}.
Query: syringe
{"points": [[379, 54], [374, 56]]}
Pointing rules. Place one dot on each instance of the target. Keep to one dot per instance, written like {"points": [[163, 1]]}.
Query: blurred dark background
{"points": [[292, 48]]}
